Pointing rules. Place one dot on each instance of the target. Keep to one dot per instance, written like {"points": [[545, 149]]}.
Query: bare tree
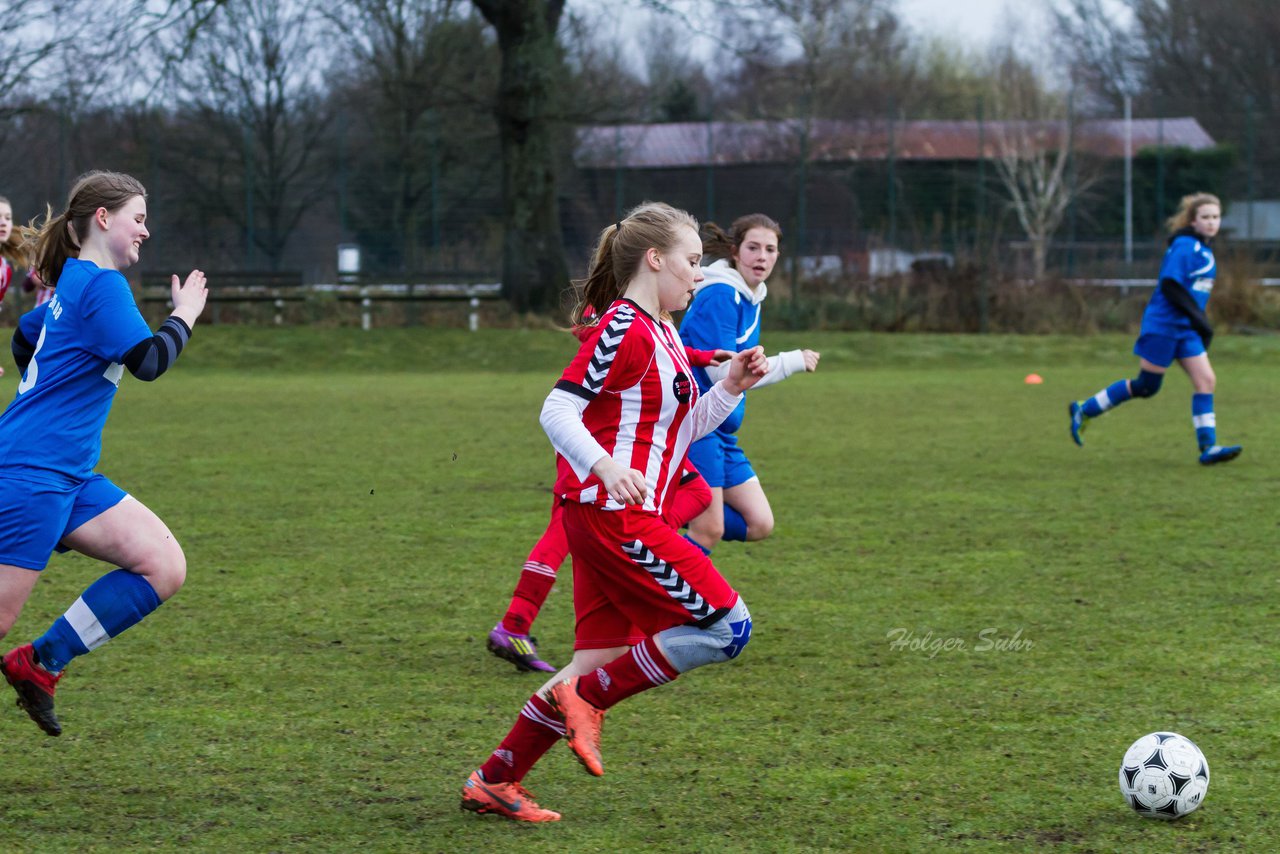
{"points": [[533, 263], [23, 48], [255, 115], [1034, 142], [419, 79]]}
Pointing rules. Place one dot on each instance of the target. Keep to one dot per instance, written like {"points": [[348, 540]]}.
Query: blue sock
{"points": [[1113, 395], [706, 551], [110, 605], [1205, 421], [735, 527]]}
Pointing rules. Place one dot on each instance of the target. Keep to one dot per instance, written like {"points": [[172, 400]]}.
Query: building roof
{"points": [[691, 144]]}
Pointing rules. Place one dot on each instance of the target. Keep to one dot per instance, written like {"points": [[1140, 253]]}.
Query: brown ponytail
{"points": [[620, 250], [716, 243], [58, 238]]}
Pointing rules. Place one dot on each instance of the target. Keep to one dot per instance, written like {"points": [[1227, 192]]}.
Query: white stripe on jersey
{"points": [[631, 401], [531, 712], [668, 360], [742, 339], [86, 625]]}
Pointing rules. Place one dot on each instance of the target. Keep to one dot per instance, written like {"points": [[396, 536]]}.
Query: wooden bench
{"points": [[367, 291], [239, 286], [279, 288]]}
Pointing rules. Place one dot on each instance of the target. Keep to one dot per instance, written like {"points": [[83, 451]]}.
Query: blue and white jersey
{"points": [[1190, 263], [724, 315], [53, 428]]}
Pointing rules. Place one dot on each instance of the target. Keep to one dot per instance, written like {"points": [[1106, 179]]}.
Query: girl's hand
{"points": [[811, 360], [745, 370], [623, 484], [189, 297], [721, 356]]}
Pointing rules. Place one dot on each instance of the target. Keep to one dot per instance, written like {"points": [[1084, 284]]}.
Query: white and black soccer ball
{"points": [[1164, 775]]}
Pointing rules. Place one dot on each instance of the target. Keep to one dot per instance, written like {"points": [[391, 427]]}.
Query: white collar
{"points": [[722, 272]]}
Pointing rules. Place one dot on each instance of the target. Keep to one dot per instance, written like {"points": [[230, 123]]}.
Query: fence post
{"points": [[617, 173], [366, 310], [980, 212], [1250, 152], [1159, 169], [473, 319], [711, 168], [893, 190]]}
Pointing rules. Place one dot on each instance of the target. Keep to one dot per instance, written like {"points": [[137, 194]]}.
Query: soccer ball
{"points": [[1164, 775]]}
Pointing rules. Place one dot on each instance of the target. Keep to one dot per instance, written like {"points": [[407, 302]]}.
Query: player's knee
{"points": [[738, 621], [1146, 384], [165, 569], [708, 528], [759, 529], [687, 647]]}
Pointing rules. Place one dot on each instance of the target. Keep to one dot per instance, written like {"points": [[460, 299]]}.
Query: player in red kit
{"points": [[649, 605], [510, 639]]}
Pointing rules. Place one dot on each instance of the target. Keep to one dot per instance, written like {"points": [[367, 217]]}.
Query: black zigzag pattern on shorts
{"points": [[666, 576], [607, 347]]}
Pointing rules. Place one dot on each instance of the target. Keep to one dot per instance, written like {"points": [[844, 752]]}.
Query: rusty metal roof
{"points": [[691, 144]]}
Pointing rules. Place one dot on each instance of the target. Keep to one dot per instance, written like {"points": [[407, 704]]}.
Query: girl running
{"points": [[726, 314], [649, 605], [1174, 327], [73, 351]]}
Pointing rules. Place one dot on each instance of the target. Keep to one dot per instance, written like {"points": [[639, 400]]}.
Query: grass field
{"points": [[355, 508]]}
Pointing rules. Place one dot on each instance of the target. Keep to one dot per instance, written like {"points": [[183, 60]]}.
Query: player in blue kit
{"points": [[1175, 326], [73, 351], [725, 315]]}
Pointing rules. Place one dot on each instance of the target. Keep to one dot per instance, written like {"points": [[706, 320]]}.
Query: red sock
{"points": [[538, 576], [536, 581], [536, 729], [641, 668], [691, 498]]}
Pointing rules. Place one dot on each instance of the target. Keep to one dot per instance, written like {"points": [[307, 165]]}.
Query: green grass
{"points": [[355, 508]]}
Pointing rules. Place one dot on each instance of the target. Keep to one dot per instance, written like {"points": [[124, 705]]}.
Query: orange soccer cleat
{"points": [[582, 724], [510, 800]]}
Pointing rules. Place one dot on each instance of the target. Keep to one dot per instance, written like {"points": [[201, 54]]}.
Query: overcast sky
{"points": [[973, 21]]}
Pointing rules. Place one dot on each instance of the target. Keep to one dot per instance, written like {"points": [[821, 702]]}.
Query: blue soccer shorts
{"points": [[720, 461], [35, 516], [1159, 349]]}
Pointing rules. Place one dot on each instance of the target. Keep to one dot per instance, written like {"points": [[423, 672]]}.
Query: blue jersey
{"points": [[53, 428], [724, 315], [1190, 263]]}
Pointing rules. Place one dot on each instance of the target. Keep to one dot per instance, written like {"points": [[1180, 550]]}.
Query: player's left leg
{"points": [[669, 590], [1203, 383], [754, 516], [692, 498], [510, 639], [153, 568]]}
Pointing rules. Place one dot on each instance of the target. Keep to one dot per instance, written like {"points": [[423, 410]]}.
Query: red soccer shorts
{"points": [[633, 576]]}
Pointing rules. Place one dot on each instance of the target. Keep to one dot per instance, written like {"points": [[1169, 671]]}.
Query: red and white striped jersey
{"points": [[634, 374]]}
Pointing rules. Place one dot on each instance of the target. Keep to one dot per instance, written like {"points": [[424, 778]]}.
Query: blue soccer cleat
{"points": [[1219, 454], [1078, 421]]}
